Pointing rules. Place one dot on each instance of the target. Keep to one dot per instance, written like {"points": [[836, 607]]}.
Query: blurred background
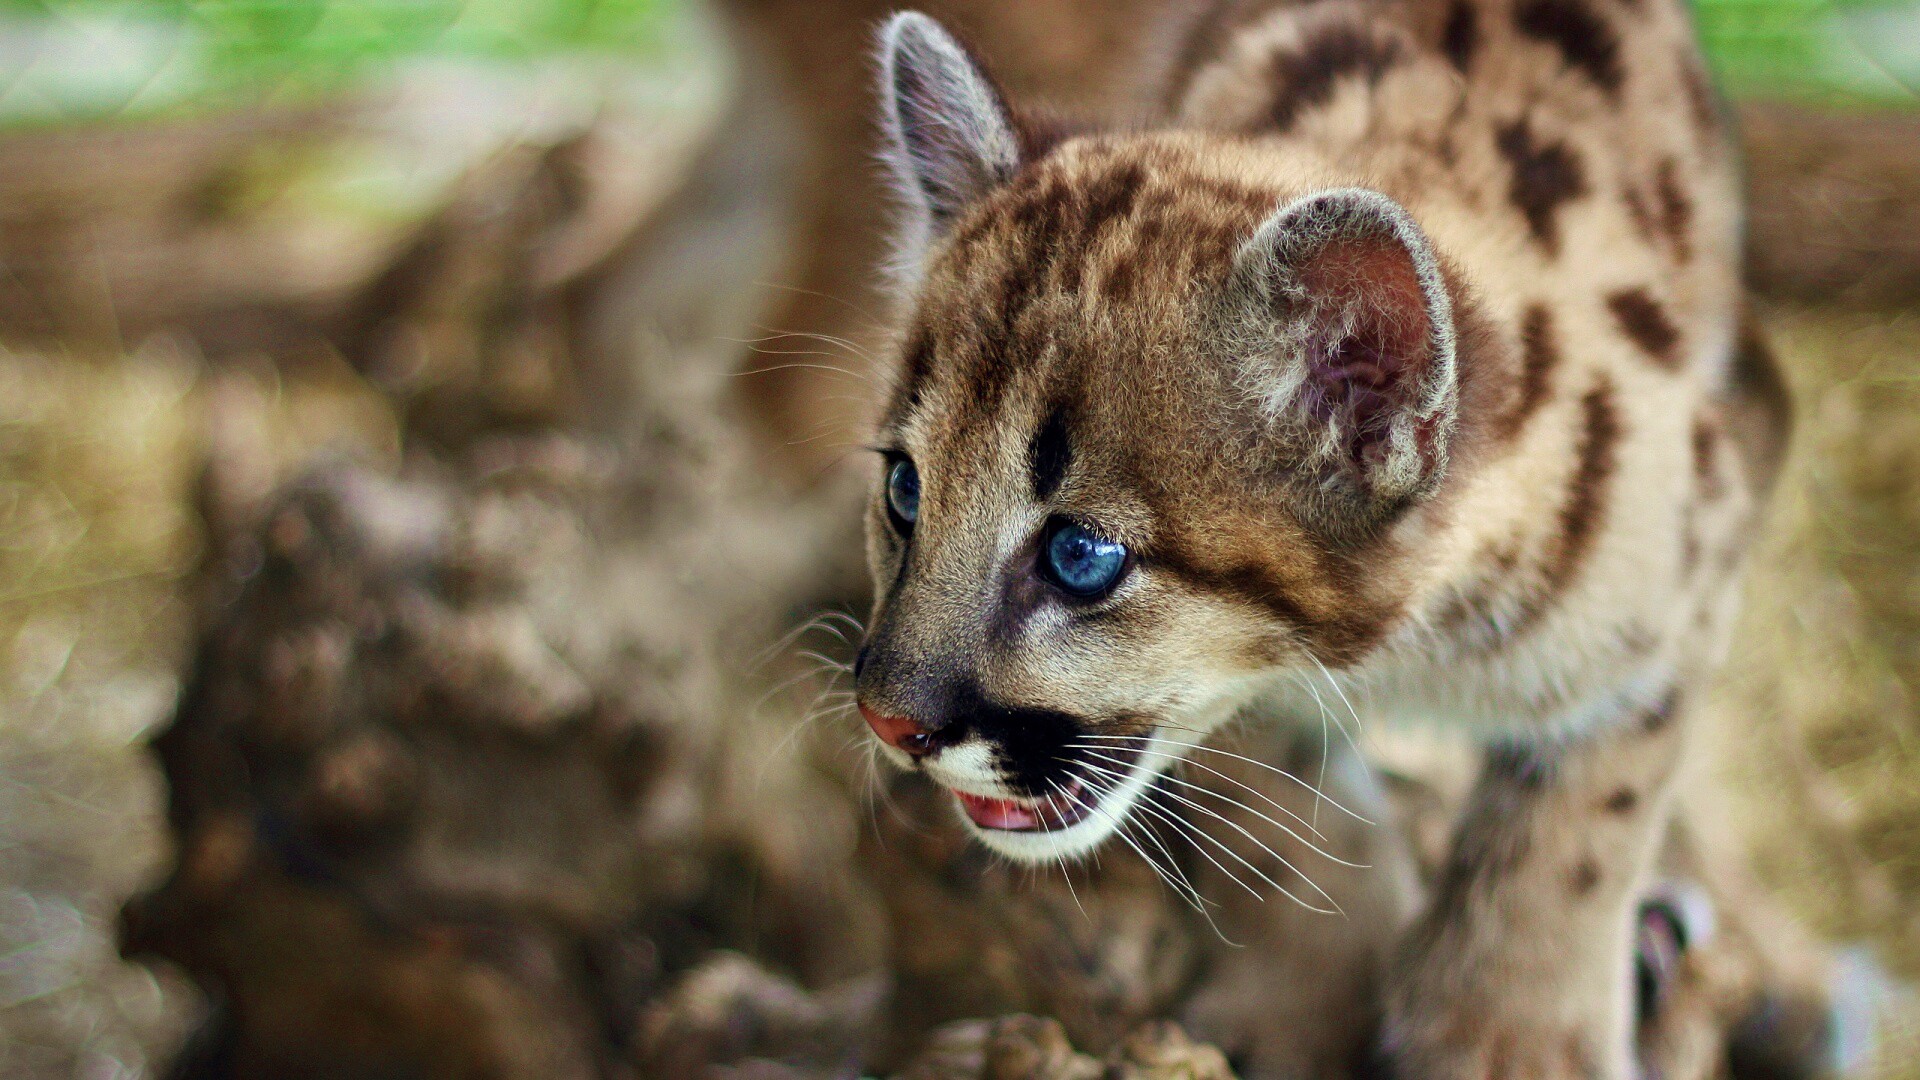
{"points": [[547, 301]]}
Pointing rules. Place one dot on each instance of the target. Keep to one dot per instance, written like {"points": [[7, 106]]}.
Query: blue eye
{"points": [[1081, 562], [903, 491]]}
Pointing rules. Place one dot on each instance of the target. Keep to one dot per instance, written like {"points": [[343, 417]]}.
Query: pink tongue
{"points": [[997, 813]]}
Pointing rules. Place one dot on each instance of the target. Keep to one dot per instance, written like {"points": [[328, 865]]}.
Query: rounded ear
{"points": [[1351, 350], [949, 137]]}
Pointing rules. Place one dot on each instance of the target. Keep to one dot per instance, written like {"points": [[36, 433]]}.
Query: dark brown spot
{"points": [[1049, 455], [1539, 354], [1122, 277], [1676, 210], [1643, 319], [1581, 513], [1110, 197], [1524, 767], [1586, 502], [1461, 36], [1545, 175], [1306, 78], [1586, 43], [1622, 801], [1660, 717], [1706, 467], [1640, 213], [1584, 877]]}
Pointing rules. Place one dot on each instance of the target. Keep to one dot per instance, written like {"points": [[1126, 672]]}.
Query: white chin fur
{"points": [[1079, 839]]}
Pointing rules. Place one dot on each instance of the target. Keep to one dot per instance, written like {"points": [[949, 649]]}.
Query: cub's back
{"points": [[1570, 153]]}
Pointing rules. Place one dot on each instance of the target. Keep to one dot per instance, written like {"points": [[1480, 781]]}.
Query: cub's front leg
{"points": [[1522, 965]]}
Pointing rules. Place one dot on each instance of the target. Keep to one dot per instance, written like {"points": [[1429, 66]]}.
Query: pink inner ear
{"points": [[1370, 338]]}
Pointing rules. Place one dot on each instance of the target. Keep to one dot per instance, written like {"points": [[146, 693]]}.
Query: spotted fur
{"points": [[1401, 357]]}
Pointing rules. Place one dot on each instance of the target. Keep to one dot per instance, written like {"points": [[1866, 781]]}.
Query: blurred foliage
{"points": [[95, 59], [1800, 48], [72, 60]]}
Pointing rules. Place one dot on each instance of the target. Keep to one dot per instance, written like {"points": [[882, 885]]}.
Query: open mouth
{"points": [[1067, 806], [1070, 803]]}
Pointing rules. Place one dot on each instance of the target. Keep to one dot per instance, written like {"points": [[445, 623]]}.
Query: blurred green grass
{"points": [[1813, 48], [86, 60]]}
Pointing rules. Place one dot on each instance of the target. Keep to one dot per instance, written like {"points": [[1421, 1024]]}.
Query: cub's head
{"points": [[1164, 415]]}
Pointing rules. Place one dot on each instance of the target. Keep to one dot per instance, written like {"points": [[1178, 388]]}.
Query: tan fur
{"points": [[1401, 361]]}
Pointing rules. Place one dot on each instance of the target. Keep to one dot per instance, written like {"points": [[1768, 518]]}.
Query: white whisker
{"points": [[1351, 712], [1184, 887], [1065, 874], [827, 663], [1320, 778], [1282, 826], [1237, 827], [1189, 830], [786, 640], [1250, 789], [1239, 757]]}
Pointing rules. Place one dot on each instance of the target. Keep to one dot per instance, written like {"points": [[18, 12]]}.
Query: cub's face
{"points": [[1147, 434], [1048, 635]]}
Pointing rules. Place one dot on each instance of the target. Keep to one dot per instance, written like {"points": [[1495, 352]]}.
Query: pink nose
{"points": [[899, 732]]}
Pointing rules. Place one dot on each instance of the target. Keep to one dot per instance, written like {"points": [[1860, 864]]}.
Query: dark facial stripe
{"points": [[1642, 319], [916, 364], [1586, 43], [1339, 638], [1245, 582], [1049, 455], [1545, 176], [1306, 79]]}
